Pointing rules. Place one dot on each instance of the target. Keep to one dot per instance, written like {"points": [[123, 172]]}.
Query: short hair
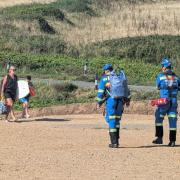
{"points": [[11, 66], [28, 78]]}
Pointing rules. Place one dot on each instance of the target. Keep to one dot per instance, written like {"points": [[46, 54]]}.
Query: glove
{"points": [[127, 101]]}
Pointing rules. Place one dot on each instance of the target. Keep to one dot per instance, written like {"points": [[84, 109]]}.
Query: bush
{"points": [[45, 27], [29, 12], [150, 49], [64, 67]]}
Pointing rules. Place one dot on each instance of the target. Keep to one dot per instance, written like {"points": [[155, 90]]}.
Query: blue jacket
{"points": [[104, 85], [168, 84]]}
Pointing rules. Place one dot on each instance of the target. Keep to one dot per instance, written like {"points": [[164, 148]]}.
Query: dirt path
{"points": [[75, 147], [84, 84]]}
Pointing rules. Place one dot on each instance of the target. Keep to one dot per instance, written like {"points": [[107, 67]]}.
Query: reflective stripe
{"points": [[162, 115], [112, 130], [118, 126], [105, 79], [172, 129], [99, 99], [172, 115], [159, 124], [114, 117], [163, 78], [100, 90], [176, 78]]}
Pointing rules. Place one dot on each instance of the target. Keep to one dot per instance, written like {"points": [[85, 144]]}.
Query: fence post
{"points": [[85, 69], [96, 81]]}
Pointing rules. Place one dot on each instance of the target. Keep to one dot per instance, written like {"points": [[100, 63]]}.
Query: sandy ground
{"points": [[75, 147], [6, 3]]}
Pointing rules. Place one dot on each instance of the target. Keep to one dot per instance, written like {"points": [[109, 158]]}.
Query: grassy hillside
{"points": [[85, 21], [150, 49], [61, 36]]}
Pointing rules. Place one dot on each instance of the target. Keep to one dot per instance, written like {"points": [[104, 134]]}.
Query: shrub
{"points": [[150, 49], [45, 27]]}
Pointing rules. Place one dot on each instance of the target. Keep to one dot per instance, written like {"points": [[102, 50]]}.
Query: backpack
{"points": [[119, 86], [32, 91]]}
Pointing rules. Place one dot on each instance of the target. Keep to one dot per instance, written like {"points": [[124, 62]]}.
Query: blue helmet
{"points": [[107, 67], [166, 62]]}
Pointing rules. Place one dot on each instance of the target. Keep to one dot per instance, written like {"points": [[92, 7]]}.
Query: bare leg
{"points": [[25, 110], [7, 115], [9, 103]]}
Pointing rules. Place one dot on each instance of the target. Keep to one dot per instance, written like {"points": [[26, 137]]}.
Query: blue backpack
{"points": [[119, 86]]}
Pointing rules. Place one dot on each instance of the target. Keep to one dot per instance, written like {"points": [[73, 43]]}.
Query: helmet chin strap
{"points": [[166, 71]]}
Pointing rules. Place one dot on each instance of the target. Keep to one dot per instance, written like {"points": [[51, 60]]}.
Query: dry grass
{"points": [[6, 3], [117, 22], [140, 20]]}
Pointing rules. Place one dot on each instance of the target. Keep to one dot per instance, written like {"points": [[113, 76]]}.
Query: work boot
{"points": [[118, 136], [114, 140], [158, 140], [172, 144], [159, 135], [172, 138], [159, 131]]}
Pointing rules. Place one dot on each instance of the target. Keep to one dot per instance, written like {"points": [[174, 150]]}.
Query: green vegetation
{"points": [[150, 49], [37, 39], [68, 94], [41, 54], [64, 67], [33, 11], [47, 95]]}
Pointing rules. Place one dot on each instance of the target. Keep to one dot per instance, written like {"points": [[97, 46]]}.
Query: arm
{"points": [[101, 90], [158, 82], [178, 84], [3, 85]]}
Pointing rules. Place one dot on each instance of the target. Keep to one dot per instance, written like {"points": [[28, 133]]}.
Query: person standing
{"points": [[25, 100], [9, 91], [113, 90], [168, 84]]}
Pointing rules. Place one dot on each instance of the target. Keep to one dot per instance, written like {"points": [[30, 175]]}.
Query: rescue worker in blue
{"points": [[169, 84], [114, 107]]}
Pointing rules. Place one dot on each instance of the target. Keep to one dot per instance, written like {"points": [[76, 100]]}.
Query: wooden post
{"points": [[96, 81]]}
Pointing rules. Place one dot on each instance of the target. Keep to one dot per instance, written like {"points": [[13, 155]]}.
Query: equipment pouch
{"points": [[159, 102]]}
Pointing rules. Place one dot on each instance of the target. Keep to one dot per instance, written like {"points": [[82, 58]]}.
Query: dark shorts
{"points": [[8, 95]]}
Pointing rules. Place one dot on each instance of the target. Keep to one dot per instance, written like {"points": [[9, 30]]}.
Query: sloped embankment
{"points": [[137, 107]]}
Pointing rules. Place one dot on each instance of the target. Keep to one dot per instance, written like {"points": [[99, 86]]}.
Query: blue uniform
{"points": [[169, 85], [114, 107]]}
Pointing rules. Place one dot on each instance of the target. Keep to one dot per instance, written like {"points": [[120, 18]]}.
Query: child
{"points": [[25, 100]]}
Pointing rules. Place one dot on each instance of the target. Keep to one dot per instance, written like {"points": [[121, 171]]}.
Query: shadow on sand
{"points": [[149, 146], [42, 120]]}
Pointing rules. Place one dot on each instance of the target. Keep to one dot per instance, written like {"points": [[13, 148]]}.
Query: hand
{"points": [[98, 106], [2, 95], [127, 103]]}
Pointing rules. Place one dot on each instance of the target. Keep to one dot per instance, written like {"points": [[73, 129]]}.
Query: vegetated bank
{"points": [[67, 68], [29, 39], [66, 93]]}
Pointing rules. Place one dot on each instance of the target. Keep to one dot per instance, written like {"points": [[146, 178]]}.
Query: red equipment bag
{"points": [[32, 91], [159, 102]]}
